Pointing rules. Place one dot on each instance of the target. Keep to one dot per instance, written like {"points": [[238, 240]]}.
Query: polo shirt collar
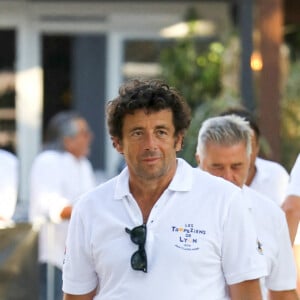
{"points": [[122, 185], [181, 182]]}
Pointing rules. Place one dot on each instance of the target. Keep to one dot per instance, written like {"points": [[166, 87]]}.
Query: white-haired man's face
{"points": [[229, 162], [79, 145]]}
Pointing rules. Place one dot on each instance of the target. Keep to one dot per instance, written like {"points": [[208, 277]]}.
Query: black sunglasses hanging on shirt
{"points": [[139, 258]]}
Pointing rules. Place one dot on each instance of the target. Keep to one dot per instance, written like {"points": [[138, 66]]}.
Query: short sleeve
{"points": [[79, 276], [294, 183], [242, 258], [283, 273]]}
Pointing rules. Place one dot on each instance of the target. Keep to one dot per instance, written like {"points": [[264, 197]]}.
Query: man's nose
{"points": [[228, 175], [149, 141]]}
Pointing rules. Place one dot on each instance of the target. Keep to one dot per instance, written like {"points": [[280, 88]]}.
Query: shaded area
{"points": [[18, 263]]}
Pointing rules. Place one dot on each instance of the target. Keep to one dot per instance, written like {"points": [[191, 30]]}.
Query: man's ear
{"points": [[67, 143], [117, 144], [179, 142], [197, 157], [255, 143]]}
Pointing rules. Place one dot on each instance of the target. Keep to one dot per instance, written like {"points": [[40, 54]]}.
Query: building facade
{"points": [[58, 55]]}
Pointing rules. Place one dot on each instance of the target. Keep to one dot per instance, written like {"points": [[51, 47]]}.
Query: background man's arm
{"points": [[291, 207], [283, 295], [246, 290]]}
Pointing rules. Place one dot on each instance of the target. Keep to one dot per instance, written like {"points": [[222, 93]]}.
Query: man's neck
{"points": [[251, 175]]}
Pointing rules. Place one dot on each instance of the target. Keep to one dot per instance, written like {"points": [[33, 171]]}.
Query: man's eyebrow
{"points": [[136, 128], [162, 126], [217, 164]]}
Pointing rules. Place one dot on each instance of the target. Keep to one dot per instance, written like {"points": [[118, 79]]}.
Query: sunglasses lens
{"points": [[138, 235], [139, 260]]}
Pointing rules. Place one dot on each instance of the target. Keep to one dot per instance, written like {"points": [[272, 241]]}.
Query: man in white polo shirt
{"points": [[161, 229], [223, 150], [59, 175], [291, 206], [8, 185], [265, 176]]}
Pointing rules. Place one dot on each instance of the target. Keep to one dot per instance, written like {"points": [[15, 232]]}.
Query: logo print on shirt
{"points": [[187, 236], [259, 247]]}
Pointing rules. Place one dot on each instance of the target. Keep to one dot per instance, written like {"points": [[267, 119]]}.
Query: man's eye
{"points": [[136, 133], [161, 132], [237, 167]]}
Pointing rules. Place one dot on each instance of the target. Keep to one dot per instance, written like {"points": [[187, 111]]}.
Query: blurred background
{"points": [[58, 55], [74, 55]]}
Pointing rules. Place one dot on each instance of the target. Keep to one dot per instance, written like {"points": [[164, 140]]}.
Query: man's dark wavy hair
{"points": [[151, 96]]}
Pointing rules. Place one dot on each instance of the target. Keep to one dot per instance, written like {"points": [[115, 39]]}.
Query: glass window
{"points": [[7, 91]]}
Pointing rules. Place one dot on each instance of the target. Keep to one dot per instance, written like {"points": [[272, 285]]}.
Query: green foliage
{"points": [[195, 73], [292, 39], [290, 125]]}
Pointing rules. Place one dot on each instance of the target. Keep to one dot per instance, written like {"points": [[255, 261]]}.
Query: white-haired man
{"points": [[224, 150]]}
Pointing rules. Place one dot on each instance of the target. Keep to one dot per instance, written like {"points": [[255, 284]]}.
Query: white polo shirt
{"points": [[294, 183], [57, 180], [294, 189], [274, 236], [200, 237], [271, 179], [8, 184]]}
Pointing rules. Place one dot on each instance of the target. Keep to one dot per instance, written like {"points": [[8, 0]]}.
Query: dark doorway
{"points": [[74, 78], [7, 90], [57, 80]]}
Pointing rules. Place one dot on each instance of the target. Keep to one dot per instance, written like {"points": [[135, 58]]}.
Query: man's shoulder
{"points": [[196, 178], [7, 157], [296, 166], [49, 154], [263, 202], [270, 165], [210, 186], [47, 160], [99, 195]]}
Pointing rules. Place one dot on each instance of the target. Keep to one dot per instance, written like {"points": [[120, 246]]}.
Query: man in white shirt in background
{"points": [[223, 150], [59, 175], [265, 176], [291, 206], [8, 185]]}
